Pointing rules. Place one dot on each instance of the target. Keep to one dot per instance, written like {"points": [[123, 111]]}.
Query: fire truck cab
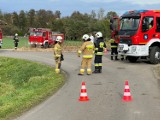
{"points": [[41, 37], [139, 35]]}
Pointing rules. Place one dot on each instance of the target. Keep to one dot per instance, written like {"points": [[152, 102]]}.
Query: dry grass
{"points": [[65, 49]]}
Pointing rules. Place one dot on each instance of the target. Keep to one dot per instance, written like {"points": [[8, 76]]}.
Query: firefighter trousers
{"points": [[15, 45], [98, 63], [114, 53], [86, 63], [58, 64]]}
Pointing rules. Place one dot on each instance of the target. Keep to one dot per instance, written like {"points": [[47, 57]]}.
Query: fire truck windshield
{"points": [[36, 33], [129, 23]]}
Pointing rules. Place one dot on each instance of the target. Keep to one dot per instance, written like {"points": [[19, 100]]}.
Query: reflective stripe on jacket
{"points": [[99, 53], [100, 45], [87, 49], [87, 56], [113, 43]]}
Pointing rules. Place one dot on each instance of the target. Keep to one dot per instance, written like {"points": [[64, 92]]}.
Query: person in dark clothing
{"points": [[100, 47], [114, 46], [16, 40]]}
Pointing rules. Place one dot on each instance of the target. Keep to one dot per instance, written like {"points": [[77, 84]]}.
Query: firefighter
{"points": [[87, 50], [58, 56], [114, 46], [100, 47], [16, 41]]}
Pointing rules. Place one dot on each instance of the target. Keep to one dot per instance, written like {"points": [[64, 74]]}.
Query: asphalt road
{"points": [[104, 90]]}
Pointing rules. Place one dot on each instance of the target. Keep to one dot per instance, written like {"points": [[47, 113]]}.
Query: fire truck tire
{"points": [[33, 46], [132, 59], [46, 45], [154, 55]]}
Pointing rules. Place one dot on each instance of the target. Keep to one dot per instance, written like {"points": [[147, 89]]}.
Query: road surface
{"points": [[105, 91]]}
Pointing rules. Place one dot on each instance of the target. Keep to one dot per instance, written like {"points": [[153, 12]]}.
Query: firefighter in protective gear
{"points": [[16, 40], [114, 46], [58, 56], [87, 50], [100, 47]]}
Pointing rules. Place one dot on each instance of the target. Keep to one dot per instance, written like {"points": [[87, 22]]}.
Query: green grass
{"points": [[8, 43], [73, 43], [24, 84]]}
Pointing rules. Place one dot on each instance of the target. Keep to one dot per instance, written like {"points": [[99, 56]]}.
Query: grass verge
{"points": [[24, 84], [23, 42]]}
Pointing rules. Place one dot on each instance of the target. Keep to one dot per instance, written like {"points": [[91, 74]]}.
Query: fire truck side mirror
{"points": [[111, 24], [111, 27]]}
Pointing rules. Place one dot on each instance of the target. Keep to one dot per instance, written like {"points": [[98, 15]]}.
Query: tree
{"points": [[8, 18], [101, 14], [1, 15], [41, 18], [31, 18], [15, 20], [73, 26], [22, 21], [93, 14], [57, 25], [111, 14], [57, 14], [50, 18]]}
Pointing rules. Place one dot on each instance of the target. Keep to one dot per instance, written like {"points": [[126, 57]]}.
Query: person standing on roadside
{"points": [[87, 50], [58, 56], [16, 41], [100, 48], [114, 45]]}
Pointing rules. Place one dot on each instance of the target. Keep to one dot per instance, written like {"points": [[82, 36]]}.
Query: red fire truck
{"points": [[0, 38], [43, 37], [139, 35], [40, 37]]}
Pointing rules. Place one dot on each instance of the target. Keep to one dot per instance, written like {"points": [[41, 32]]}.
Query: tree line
{"points": [[73, 26]]}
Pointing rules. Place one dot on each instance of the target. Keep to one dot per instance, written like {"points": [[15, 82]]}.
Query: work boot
{"points": [[111, 57], [122, 59], [80, 74], [100, 71], [96, 71], [116, 58]]}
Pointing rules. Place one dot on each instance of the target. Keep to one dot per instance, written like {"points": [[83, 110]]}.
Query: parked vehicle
{"points": [[43, 37], [139, 35], [1, 38], [2, 23]]}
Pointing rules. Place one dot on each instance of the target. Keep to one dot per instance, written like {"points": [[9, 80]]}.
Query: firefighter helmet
{"points": [[59, 39], [85, 37], [16, 34], [99, 34]]}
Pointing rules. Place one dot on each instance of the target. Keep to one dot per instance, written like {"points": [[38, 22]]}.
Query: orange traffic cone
{"points": [[127, 95], [83, 94]]}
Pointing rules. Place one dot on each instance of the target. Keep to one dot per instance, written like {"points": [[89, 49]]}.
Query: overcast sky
{"points": [[67, 7]]}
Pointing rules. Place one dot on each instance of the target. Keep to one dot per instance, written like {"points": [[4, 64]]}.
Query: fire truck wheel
{"points": [[132, 59], [33, 46], [154, 55]]}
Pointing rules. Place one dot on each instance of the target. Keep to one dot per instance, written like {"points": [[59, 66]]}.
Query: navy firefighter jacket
{"points": [[100, 45]]}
